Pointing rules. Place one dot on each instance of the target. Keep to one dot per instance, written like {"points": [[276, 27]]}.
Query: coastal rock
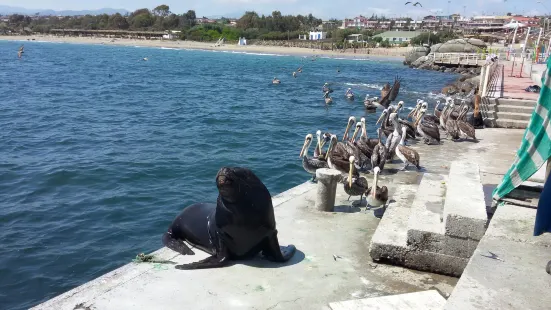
{"points": [[449, 90], [415, 54], [420, 61], [459, 46]]}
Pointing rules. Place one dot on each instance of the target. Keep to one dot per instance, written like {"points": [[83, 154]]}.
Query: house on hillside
{"points": [[398, 37], [317, 35], [355, 38]]}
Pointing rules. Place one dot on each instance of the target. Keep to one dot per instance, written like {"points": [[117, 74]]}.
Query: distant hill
{"points": [[8, 10]]}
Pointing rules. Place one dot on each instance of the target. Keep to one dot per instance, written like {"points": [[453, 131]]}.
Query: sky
{"points": [[320, 8]]}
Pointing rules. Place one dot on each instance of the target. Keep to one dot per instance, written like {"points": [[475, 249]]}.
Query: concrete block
{"points": [[437, 263], [427, 207], [515, 109], [441, 244], [465, 208], [426, 300], [510, 123], [516, 102], [518, 279], [327, 188], [514, 116]]}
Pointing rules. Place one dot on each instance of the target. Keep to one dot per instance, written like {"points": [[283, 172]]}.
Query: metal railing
{"points": [[472, 59]]}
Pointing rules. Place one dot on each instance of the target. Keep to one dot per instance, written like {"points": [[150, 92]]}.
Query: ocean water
{"points": [[93, 167]]}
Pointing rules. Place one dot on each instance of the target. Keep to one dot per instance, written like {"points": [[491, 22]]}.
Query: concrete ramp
{"points": [[427, 300]]}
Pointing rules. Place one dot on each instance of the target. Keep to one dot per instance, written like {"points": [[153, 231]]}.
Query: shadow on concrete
{"points": [[260, 262], [354, 208]]}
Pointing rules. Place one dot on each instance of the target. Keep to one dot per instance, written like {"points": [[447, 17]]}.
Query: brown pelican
{"points": [[364, 144], [389, 94], [351, 122], [276, 81], [429, 117], [294, 74], [464, 127], [370, 142], [337, 158], [349, 94], [299, 70], [377, 195], [407, 154], [451, 125], [429, 131], [369, 106], [354, 186], [21, 51], [385, 126], [393, 140], [310, 164], [444, 116], [378, 158], [437, 112], [413, 112], [318, 152], [352, 148]]}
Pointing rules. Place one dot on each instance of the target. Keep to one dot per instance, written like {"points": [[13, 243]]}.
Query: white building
{"points": [[317, 35]]}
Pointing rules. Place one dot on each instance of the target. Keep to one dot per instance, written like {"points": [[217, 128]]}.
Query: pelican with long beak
{"points": [[429, 131], [354, 186], [387, 131], [414, 111], [378, 158], [376, 195], [318, 151], [407, 154], [464, 127], [337, 158], [310, 164], [351, 122], [393, 139]]}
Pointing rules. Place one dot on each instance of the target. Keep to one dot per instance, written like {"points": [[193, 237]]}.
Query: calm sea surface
{"points": [[93, 167]]}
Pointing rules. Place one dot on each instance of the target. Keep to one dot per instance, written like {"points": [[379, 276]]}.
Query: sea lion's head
{"points": [[234, 183]]}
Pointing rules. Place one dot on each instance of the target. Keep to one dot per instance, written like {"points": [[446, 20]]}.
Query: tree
{"points": [[117, 21], [385, 43], [509, 14], [162, 10]]}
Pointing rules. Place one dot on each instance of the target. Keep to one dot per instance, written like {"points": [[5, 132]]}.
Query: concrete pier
{"points": [[332, 263]]}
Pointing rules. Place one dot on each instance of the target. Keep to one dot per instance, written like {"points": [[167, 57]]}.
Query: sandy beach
{"points": [[396, 53]]}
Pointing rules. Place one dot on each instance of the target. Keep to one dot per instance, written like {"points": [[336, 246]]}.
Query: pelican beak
{"points": [[347, 129], [380, 118], [355, 133], [375, 180], [303, 148]]}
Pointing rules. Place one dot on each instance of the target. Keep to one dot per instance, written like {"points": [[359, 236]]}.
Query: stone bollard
{"points": [[327, 188]]}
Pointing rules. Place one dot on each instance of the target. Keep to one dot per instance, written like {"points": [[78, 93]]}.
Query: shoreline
{"points": [[391, 54]]}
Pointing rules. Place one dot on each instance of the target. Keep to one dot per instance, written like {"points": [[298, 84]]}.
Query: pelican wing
{"points": [[466, 128], [431, 130], [395, 89], [385, 90]]}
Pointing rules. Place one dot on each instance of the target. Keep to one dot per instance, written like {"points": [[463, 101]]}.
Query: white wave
{"points": [[377, 86]]}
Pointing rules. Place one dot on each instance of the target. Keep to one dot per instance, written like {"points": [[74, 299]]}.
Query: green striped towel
{"points": [[535, 148]]}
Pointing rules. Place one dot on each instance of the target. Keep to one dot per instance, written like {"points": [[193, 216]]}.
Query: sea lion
{"points": [[240, 225]]}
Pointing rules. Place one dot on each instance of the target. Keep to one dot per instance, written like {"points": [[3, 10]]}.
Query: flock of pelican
{"points": [[359, 152]]}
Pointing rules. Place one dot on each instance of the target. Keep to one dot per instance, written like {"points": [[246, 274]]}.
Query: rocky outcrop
{"points": [[415, 54], [459, 46]]}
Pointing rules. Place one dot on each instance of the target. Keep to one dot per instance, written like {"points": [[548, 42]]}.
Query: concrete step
{"points": [[390, 242], [514, 116], [425, 300], [465, 208], [511, 123], [515, 109], [517, 102]]}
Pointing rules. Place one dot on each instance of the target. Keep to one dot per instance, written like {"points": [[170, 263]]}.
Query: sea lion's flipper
{"points": [[215, 261], [276, 253], [176, 244]]}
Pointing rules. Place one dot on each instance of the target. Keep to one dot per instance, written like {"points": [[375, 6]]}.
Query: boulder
{"points": [[449, 90], [415, 54], [459, 46], [420, 61]]}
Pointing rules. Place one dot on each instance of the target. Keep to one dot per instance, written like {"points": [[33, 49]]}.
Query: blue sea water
{"points": [[93, 167]]}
